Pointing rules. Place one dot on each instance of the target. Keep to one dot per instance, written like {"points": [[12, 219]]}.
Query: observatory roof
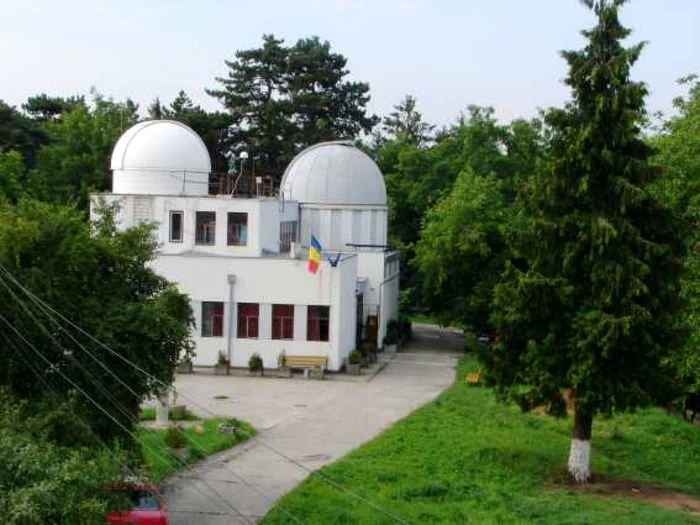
{"points": [[160, 156], [334, 173]]}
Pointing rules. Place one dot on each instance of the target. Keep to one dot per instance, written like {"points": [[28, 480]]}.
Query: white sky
{"points": [[447, 53]]}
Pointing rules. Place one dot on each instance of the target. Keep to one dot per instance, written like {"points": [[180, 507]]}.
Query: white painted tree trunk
{"points": [[163, 410], [580, 460]]}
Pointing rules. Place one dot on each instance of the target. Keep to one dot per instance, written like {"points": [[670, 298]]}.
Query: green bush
{"points": [[175, 438], [355, 357], [255, 363]]}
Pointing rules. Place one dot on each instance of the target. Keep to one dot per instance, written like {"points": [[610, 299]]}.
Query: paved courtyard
{"points": [[312, 422]]}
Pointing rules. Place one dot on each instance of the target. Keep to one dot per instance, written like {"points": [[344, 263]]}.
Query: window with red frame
{"points": [[318, 323], [212, 319], [248, 317], [283, 321]]}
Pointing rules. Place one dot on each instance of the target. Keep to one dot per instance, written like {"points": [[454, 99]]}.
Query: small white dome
{"points": [[334, 173], [160, 157]]}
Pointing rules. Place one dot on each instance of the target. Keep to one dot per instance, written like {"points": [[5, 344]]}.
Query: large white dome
{"points": [[334, 173], [160, 157]]}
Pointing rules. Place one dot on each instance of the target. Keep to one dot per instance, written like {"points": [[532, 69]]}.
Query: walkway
{"points": [[313, 422]]}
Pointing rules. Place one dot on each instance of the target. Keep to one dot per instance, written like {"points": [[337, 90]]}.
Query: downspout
{"points": [[231, 283], [381, 310]]}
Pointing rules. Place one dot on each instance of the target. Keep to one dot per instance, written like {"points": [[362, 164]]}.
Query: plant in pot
{"points": [[223, 366], [353, 364], [185, 365], [283, 369], [255, 365]]}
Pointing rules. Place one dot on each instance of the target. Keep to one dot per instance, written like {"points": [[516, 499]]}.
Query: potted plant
{"points": [[391, 338], [223, 366], [185, 365], [255, 365], [353, 364], [283, 370]]}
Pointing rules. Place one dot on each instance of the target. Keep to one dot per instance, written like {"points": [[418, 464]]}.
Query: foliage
{"points": [[677, 152], [283, 98], [46, 483], [354, 357], [159, 465], [44, 108], [175, 438], [20, 133], [589, 301], [282, 359], [12, 172], [466, 458], [212, 127], [255, 363], [462, 250], [222, 358], [406, 124], [76, 161], [101, 281]]}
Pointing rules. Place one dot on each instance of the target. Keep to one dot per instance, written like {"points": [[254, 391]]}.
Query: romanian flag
{"points": [[314, 255]]}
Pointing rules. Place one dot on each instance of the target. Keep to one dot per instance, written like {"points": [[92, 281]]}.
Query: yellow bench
{"points": [[308, 363]]}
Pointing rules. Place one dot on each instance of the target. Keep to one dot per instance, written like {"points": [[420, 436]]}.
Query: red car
{"points": [[146, 506]]}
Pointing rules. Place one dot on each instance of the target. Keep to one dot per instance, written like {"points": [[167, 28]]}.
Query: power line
{"points": [[312, 472], [100, 387], [116, 421]]}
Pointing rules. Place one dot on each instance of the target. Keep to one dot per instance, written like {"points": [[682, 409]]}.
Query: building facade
{"points": [[242, 258]]}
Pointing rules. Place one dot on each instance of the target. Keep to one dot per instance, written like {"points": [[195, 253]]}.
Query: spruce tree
{"points": [[588, 305]]}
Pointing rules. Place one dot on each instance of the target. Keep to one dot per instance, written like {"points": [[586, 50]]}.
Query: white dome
{"points": [[160, 157], [334, 173]]}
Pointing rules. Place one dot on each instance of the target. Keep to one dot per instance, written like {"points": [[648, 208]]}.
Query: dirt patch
{"points": [[606, 486]]}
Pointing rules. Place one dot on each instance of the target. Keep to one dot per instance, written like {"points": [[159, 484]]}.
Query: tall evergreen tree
{"points": [[406, 123], [590, 302], [282, 99]]}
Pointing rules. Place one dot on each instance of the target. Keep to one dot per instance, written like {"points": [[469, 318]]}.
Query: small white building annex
{"points": [[242, 259]]}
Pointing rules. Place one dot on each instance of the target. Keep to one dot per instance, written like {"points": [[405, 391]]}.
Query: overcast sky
{"points": [[448, 54]]}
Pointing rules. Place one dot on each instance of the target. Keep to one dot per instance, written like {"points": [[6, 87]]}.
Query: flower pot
{"points": [[353, 369], [284, 371], [222, 370], [255, 373], [184, 367]]}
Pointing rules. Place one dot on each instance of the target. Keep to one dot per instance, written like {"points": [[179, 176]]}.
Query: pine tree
{"points": [[589, 303]]}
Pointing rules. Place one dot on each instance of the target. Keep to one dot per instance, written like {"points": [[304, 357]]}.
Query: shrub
{"points": [[255, 363], [282, 360], [222, 359], [175, 438], [355, 357]]}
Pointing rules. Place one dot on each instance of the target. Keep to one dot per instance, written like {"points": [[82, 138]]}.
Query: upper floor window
{"points": [[288, 235], [248, 316], [283, 321], [318, 323], [237, 229], [205, 232], [176, 226], [212, 319]]}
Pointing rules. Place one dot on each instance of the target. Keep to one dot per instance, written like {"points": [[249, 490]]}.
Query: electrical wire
{"points": [[256, 439]]}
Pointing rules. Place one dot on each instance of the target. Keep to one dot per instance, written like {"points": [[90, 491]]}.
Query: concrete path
{"points": [[313, 422]]}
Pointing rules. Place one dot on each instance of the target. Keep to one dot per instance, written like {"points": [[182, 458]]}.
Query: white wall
{"points": [[336, 226], [268, 281], [264, 216]]}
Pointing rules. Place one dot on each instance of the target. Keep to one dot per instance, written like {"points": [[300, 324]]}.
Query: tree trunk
{"points": [[580, 455]]}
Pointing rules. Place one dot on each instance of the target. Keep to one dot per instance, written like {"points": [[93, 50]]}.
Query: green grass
{"points": [[159, 463], [465, 458], [149, 414]]}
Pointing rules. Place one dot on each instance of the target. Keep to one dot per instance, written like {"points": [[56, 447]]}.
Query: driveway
{"points": [[312, 422]]}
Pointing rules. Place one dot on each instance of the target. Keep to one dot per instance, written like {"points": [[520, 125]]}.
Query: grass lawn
{"points": [[159, 463], [465, 458]]}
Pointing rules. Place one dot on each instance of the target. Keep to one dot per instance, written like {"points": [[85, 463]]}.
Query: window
{"points": [[248, 315], [288, 234], [205, 228], [237, 229], [318, 323], [176, 226], [283, 321], [212, 319]]}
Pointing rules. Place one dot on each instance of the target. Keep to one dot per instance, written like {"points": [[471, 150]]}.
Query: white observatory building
{"points": [[242, 256]]}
